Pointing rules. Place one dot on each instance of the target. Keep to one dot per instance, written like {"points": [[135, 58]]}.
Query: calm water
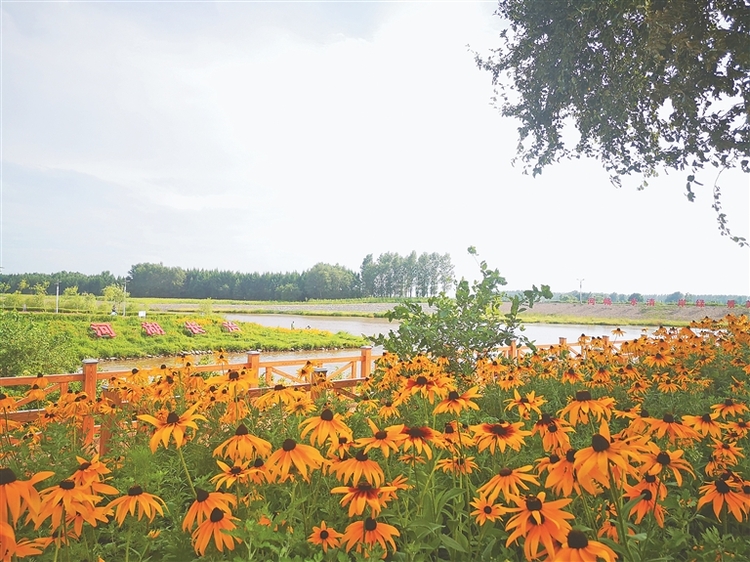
{"points": [[540, 333]]}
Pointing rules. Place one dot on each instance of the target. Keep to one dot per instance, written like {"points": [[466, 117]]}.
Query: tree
{"points": [[650, 85], [465, 328], [25, 346], [325, 281]]}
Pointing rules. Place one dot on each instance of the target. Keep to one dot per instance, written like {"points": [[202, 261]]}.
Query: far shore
{"points": [[545, 312]]}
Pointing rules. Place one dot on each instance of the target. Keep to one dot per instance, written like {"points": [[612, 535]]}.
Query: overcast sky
{"points": [[270, 137]]}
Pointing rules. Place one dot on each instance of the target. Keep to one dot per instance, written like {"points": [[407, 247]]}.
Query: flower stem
{"points": [[187, 472]]}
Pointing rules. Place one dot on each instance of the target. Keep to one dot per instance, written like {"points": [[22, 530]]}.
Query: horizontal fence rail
{"points": [[345, 372]]}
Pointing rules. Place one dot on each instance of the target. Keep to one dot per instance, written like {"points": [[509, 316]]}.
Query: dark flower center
{"points": [[67, 484], [599, 443], [361, 456], [289, 445], [2, 396], [500, 430], [552, 428], [235, 470], [533, 503], [343, 440], [505, 472], [650, 478], [84, 466], [706, 418], [173, 418], [449, 428], [326, 415], [546, 419], [583, 395], [644, 413], [201, 495], [663, 458], [728, 402], [170, 379], [554, 459], [257, 463], [381, 434], [216, 515], [570, 456], [453, 395], [234, 376], [135, 491], [279, 387], [421, 380], [364, 487], [722, 487], [668, 418], [388, 404], [323, 535], [487, 509], [577, 539], [647, 495], [370, 524], [416, 433], [241, 430]]}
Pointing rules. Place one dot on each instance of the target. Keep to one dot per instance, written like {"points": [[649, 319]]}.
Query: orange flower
{"points": [[525, 404], [243, 446], [582, 405], [655, 460], [203, 506], [325, 426], [538, 521], [174, 425], [216, 525], [578, 548], [486, 510], [553, 432], [593, 463], [386, 440], [509, 481], [359, 466], [368, 533], [19, 496], [136, 499], [729, 408], [455, 403], [704, 425], [304, 457], [326, 537], [63, 500], [457, 465], [501, 434], [672, 428], [724, 491], [419, 438], [363, 495], [561, 477]]}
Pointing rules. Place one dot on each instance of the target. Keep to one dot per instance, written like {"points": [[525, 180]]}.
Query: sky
{"points": [[272, 136]]}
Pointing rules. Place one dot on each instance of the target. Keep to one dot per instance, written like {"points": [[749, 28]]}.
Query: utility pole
{"points": [[124, 296], [580, 290], [57, 298]]}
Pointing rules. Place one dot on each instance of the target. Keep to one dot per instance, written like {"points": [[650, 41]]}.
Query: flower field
{"points": [[632, 451]]}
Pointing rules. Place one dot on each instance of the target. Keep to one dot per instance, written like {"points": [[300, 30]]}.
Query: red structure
{"points": [[103, 330], [731, 303], [633, 302], [651, 302], [592, 300], [681, 302], [608, 301], [700, 303], [230, 327], [153, 329], [194, 328]]}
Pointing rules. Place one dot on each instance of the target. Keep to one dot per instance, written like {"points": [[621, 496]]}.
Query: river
{"points": [[539, 333]]}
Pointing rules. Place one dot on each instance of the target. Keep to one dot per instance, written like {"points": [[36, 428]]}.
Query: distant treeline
{"points": [[390, 275], [672, 298]]}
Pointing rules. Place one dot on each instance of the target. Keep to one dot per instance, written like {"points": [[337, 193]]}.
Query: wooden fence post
{"points": [[253, 367], [563, 342], [366, 362], [89, 387], [513, 351]]}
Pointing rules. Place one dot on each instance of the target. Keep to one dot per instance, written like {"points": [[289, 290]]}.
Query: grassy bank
{"points": [[599, 321], [131, 340]]}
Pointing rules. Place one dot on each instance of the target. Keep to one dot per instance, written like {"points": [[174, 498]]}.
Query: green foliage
{"points": [[465, 328], [391, 275], [648, 85], [325, 281], [25, 345]]}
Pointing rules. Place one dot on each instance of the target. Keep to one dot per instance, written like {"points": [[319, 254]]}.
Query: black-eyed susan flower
{"points": [[502, 434], [203, 506], [386, 440], [578, 548], [509, 481], [364, 495], [239, 472], [561, 476], [729, 408], [648, 496], [486, 510], [673, 428], [278, 394], [525, 404], [328, 425], [173, 425], [325, 536], [721, 492], [704, 425], [368, 533], [19, 496], [216, 526], [137, 500], [457, 465], [64, 499], [656, 460], [419, 439], [388, 410], [582, 405], [593, 463], [357, 467], [658, 359], [291, 453], [553, 431], [455, 403], [538, 521], [243, 445]]}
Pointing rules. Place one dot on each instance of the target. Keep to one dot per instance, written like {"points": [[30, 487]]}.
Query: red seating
{"points": [[194, 328], [230, 327]]}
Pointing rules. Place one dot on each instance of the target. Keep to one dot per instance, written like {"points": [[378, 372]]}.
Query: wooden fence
{"points": [[338, 374]]}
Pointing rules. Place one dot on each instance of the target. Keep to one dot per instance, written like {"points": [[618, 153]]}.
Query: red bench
{"points": [[230, 327], [194, 328]]}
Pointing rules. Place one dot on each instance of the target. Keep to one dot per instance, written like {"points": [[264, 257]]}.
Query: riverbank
{"points": [[544, 313]]}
